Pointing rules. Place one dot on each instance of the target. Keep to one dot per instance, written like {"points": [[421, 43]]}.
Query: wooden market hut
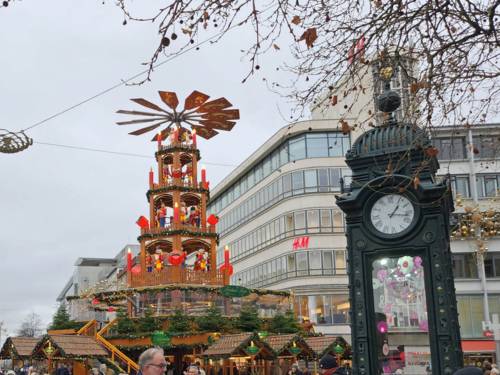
{"points": [[73, 350], [289, 348], [18, 349], [243, 351], [327, 344]]}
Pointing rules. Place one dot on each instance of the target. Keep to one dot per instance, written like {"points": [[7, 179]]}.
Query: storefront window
{"points": [[323, 309], [340, 309], [400, 308]]}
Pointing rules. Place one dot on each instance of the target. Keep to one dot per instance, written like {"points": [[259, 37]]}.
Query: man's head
{"points": [[469, 371], [327, 362], [193, 370], [152, 362]]}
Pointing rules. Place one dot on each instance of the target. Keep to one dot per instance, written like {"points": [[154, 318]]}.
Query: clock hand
{"points": [[397, 206]]}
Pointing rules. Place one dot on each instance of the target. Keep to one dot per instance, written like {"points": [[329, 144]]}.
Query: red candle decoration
{"points": [[176, 134], [226, 255], [226, 266], [129, 260], [176, 212], [158, 137], [95, 301], [203, 175], [151, 177], [111, 309], [193, 137]]}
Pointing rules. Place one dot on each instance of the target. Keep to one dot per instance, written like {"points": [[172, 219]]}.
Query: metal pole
{"points": [[480, 254], [496, 331]]}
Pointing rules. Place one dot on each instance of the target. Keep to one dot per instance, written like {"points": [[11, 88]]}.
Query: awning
{"points": [[478, 346]]}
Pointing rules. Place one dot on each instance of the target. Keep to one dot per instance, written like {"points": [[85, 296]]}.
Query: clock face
{"points": [[392, 214]]}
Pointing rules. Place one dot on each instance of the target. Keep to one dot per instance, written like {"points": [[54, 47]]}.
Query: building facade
{"points": [[278, 217], [87, 274]]}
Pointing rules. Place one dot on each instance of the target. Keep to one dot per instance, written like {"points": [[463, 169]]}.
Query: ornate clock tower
{"points": [[402, 294]]}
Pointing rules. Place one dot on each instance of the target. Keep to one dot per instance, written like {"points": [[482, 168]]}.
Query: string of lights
{"points": [[80, 148]]}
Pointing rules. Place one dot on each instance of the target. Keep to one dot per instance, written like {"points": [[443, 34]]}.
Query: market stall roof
{"points": [[18, 347], [69, 346], [282, 345], [322, 345], [236, 345]]}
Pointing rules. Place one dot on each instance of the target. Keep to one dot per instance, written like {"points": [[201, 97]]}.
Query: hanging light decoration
{"points": [[294, 349], [12, 142], [252, 349]]}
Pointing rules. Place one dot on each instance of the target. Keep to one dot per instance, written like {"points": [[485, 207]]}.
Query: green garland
{"points": [[109, 296], [144, 347], [170, 149], [182, 232], [185, 189]]}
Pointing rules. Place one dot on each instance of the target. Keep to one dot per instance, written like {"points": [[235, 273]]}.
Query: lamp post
{"points": [[480, 251]]}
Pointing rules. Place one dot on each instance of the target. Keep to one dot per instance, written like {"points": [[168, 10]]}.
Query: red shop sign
{"points": [[300, 243]]}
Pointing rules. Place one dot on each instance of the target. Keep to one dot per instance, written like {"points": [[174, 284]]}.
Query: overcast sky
{"points": [[58, 204]]}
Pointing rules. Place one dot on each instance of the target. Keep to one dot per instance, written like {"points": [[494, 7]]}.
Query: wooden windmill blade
{"points": [[218, 124], [204, 132], [139, 121], [147, 128], [214, 105], [169, 98], [148, 104], [200, 114], [195, 99], [137, 113], [231, 114], [163, 134]]}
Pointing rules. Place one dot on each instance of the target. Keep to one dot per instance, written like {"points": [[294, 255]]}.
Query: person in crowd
{"points": [[305, 370], [469, 371], [328, 366], [201, 371], [294, 370], [152, 362], [236, 371], [62, 369], [494, 369], [487, 367], [192, 370]]}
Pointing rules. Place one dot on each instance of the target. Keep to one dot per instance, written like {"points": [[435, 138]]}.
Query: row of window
{"points": [[288, 225], [324, 309], [465, 265], [470, 313], [321, 180], [455, 147], [291, 265], [304, 146], [487, 185]]}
